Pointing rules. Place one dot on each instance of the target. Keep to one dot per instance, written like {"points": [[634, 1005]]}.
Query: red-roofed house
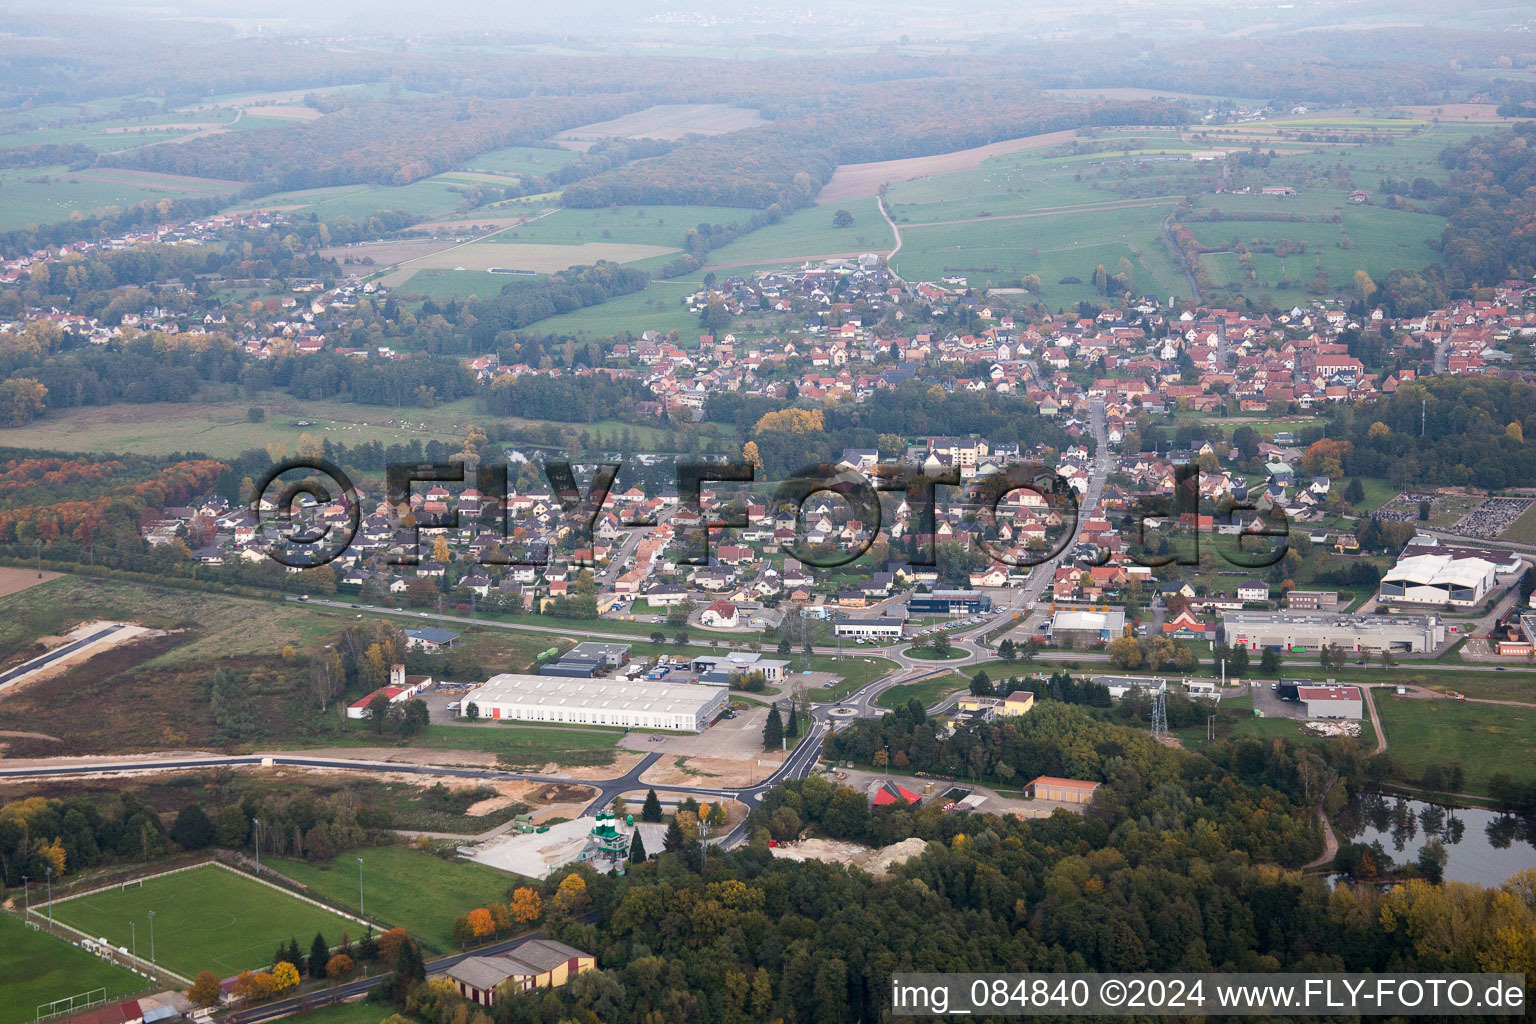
{"points": [[887, 793]]}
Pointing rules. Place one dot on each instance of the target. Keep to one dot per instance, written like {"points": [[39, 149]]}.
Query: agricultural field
{"points": [[405, 888], [808, 233], [541, 259], [224, 431], [1056, 247], [430, 197], [1485, 738], [39, 968], [1367, 238], [455, 284], [662, 226], [853, 181], [664, 121], [657, 307], [520, 160], [208, 918], [40, 195]]}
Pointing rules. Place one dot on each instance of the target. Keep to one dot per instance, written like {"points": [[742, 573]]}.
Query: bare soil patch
{"points": [[623, 762], [14, 581], [854, 181], [710, 771], [876, 862]]}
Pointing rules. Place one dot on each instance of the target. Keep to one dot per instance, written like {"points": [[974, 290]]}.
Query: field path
{"points": [[1381, 734], [880, 202]]}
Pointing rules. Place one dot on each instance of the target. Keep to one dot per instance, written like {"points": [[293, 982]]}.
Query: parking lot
{"points": [[1267, 699]]}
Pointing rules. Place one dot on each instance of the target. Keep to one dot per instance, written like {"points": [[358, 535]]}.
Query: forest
{"points": [[1444, 430]]}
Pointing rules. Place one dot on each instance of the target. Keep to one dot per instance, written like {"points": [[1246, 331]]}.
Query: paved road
{"points": [[43, 660]]}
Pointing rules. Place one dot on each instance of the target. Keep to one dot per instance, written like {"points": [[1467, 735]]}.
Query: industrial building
{"points": [[587, 660], [1119, 686], [1299, 631], [1070, 791], [1312, 600], [884, 627], [949, 602], [1331, 701], [1439, 579], [1087, 628], [723, 669], [641, 704]]}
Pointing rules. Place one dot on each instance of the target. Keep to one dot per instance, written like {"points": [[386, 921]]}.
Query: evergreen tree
{"points": [[773, 732], [1355, 492], [410, 970], [1269, 662], [319, 956], [368, 947], [674, 839], [193, 830], [295, 957], [792, 726], [637, 849], [651, 809]]}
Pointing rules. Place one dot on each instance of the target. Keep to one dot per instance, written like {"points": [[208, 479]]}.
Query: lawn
{"points": [[1485, 738], [208, 918], [926, 690], [1523, 530], [37, 968], [516, 746], [405, 888], [856, 673]]}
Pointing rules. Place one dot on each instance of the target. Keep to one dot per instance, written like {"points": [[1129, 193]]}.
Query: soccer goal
{"points": [[135, 883], [71, 1004]]}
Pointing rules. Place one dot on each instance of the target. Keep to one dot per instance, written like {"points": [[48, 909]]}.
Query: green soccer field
{"points": [[205, 919], [37, 968]]}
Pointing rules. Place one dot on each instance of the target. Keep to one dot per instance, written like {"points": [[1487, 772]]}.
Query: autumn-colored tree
{"points": [[1326, 457], [21, 399], [284, 976], [795, 421], [481, 923], [750, 454], [501, 916], [389, 945], [572, 894], [205, 989], [527, 905], [339, 967], [440, 552]]}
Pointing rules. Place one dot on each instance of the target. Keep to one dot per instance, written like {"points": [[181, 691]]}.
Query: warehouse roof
{"points": [[1440, 571], [611, 694], [1327, 693]]}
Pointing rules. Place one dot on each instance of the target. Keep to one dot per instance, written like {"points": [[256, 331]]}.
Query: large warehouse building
{"points": [[1298, 631], [1439, 580], [642, 704]]}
